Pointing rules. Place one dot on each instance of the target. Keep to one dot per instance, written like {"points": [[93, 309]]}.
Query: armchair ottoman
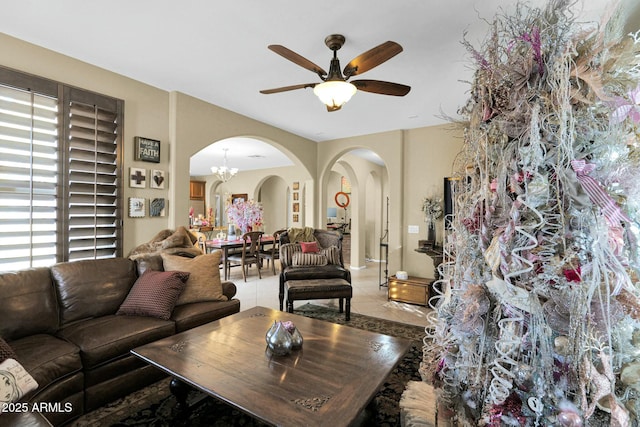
{"points": [[320, 289]]}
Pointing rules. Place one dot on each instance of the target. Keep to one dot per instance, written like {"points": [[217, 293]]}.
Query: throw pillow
{"points": [[15, 381], [333, 254], [6, 352], [301, 259], [204, 277], [309, 247], [154, 294]]}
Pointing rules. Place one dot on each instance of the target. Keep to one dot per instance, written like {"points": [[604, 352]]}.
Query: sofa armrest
{"points": [[229, 289]]}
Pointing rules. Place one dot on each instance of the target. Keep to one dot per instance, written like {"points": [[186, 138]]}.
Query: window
{"points": [[60, 173]]}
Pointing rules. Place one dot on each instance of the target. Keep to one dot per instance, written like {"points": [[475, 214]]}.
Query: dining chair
{"points": [[250, 253], [273, 253]]}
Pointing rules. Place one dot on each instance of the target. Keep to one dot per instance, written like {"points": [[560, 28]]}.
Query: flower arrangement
{"points": [[432, 208], [245, 214]]}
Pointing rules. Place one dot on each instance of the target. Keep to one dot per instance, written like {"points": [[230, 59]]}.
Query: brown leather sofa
{"points": [[325, 239], [61, 323]]}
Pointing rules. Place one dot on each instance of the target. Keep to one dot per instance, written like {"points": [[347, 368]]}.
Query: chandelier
{"points": [[223, 172]]}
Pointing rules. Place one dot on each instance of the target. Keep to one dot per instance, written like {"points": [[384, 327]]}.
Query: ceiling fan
{"points": [[335, 90]]}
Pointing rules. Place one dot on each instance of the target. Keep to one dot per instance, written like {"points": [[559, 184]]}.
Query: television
{"points": [[332, 214]]}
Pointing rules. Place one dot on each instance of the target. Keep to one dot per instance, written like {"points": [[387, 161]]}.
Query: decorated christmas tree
{"points": [[538, 322]]}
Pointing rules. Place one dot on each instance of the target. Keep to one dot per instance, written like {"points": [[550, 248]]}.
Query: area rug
{"points": [[153, 406]]}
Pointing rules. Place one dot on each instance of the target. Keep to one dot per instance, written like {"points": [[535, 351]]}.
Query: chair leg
{"points": [[341, 304], [289, 306], [347, 314], [244, 272]]}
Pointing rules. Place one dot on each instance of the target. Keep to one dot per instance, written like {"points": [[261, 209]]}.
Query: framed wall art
{"points": [[296, 218], [136, 207], [137, 177], [296, 186], [146, 150], [296, 195], [345, 185], [157, 207], [158, 179], [239, 198], [296, 207]]}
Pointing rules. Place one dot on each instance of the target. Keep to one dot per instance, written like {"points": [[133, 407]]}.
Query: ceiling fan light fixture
{"points": [[334, 93]]}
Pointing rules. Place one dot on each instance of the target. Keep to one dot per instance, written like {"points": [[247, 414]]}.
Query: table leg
{"points": [[225, 252], [180, 390]]}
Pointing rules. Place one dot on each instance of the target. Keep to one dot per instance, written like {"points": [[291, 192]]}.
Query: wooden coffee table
{"points": [[326, 383]]}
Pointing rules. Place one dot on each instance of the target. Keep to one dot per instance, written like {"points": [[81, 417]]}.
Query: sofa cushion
{"points": [[27, 303], [154, 294], [204, 277], [302, 259], [189, 316], [110, 337], [92, 288], [329, 271], [6, 351], [15, 382], [47, 358]]}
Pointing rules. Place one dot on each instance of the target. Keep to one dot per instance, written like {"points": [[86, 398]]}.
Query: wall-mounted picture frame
{"points": [[296, 207], [157, 207], [146, 149], [296, 195], [296, 185], [158, 179], [241, 197], [296, 218], [137, 207], [137, 177], [345, 185]]}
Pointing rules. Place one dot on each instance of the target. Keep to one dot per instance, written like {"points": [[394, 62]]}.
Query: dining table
{"points": [[226, 245]]}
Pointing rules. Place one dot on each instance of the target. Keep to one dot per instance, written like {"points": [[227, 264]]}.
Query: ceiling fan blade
{"points": [[372, 58], [286, 88], [382, 88], [297, 59]]}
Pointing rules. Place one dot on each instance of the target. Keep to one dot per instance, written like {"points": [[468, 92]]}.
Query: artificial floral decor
{"points": [[246, 215], [432, 208], [538, 322]]}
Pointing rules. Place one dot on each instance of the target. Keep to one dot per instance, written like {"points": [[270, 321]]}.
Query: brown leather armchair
{"points": [[325, 239]]}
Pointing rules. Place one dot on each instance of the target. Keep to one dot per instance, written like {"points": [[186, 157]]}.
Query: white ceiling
{"points": [[217, 51]]}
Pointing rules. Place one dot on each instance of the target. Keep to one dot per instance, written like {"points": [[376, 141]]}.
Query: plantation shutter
{"points": [[60, 173], [28, 178], [93, 179]]}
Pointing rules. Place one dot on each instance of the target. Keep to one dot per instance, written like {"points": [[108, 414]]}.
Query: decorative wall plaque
{"points": [[147, 150]]}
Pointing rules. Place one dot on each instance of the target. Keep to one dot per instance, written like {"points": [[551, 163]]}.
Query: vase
{"points": [[279, 340], [431, 232], [231, 232]]}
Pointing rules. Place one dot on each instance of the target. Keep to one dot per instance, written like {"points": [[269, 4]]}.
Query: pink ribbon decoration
{"points": [[611, 211]]}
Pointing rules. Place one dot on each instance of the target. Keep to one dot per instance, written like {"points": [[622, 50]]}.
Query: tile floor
{"points": [[368, 298]]}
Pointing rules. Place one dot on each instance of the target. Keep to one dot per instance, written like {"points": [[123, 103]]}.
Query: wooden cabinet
{"points": [[414, 290], [197, 190]]}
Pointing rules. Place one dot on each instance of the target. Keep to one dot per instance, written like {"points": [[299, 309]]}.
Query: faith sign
{"points": [[147, 150]]}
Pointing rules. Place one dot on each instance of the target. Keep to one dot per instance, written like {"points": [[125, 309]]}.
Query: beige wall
{"points": [[416, 160]]}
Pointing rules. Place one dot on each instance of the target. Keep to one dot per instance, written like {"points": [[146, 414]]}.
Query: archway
{"points": [[266, 173], [367, 178]]}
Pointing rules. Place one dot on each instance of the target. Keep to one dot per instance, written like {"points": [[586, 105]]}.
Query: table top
{"points": [[328, 382], [221, 243]]}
